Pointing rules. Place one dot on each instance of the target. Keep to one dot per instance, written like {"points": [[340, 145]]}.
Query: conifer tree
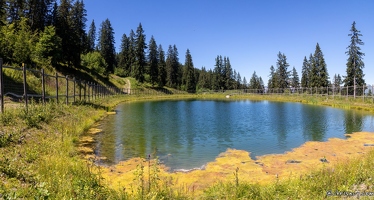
{"points": [[106, 45], [228, 75], [91, 37], [305, 73], [283, 74], [319, 76], [172, 66], [140, 59], [355, 63], [337, 81], [273, 78], [295, 82], [131, 54], [153, 61], [161, 80], [124, 57], [78, 44], [190, 73]]}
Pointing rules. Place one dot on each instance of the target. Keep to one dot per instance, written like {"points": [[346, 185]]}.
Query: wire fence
{"points": [[15, 86], [364, 92]]}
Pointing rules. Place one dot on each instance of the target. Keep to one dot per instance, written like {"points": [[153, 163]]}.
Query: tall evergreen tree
{"points": [[337, 81], [295, 81], [63, 30], [140, 59], [254, 83], [228, 75], [131, 54], [355, 63], [91, 37], [172, 66], [15, 10], [319, 76], [283, 74], [273, 78], [153, 59], [78, 35], [124, 62], [106, 45], [305, 73], [3, 13], [37, 12], [190, 73], [161, 80]]}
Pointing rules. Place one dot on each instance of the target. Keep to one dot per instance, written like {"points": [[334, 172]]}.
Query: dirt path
{"points": [[127, 87]]}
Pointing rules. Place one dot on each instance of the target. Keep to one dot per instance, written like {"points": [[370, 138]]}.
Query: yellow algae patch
{"points": [[302, 160], [86, 140], [85, 150], [93, 131]]}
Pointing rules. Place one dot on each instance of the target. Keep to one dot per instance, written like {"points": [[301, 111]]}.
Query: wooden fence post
{"points": [[56, 87], [1, 87], [84, 94], [88, 91], [92, 92], [74, 89], [24, 85], [43, 86], [80, 90], [67, 90]]}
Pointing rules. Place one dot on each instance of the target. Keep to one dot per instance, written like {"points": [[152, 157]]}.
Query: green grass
{"points": [[39, 158]]}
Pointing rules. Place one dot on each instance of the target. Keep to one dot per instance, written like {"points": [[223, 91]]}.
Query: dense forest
{"points": [[53, 34]]}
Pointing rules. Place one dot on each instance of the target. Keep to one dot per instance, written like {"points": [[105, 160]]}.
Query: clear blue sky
{"points": [[249, 32]]}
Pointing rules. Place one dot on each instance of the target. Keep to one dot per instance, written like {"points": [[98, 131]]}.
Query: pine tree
{"points": [[106, 45], [240, 82], [78, 44], [355, 63], [91, 37], [140, 59], [190, 75], [37, 12], [295, 83], [124, 62], [3, 14], [319, 77], [63, 30], [131, 54], [245, 83], [273, 78], [48, 48], [337, 81], [15, 10], [283, 74], [172, 66], [254, 83], [305, 73], [228, 74], [153, 59], [161, 80]]}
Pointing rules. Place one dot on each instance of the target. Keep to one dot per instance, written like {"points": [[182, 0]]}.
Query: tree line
{"points": [[314, 72], [53, 33]]}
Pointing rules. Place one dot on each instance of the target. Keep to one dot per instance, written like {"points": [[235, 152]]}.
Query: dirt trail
{"points": [[127, 87]]}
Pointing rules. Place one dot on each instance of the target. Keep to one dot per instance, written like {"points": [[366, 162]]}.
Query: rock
{"points": [[293, 161], [324, 160]]}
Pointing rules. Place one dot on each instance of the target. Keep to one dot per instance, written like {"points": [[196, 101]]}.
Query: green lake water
{"points": [[187, 134]]}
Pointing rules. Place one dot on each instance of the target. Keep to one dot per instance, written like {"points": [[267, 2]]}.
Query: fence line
{"points": [[15, 85]]}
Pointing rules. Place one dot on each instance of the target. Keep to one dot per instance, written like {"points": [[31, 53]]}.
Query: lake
{"points": [[187, 134]]}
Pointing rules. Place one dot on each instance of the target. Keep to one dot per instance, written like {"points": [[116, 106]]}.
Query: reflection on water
{"points": [[187, 134]]}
